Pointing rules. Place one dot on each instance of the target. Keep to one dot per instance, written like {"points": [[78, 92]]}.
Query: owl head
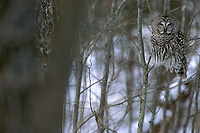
{"points": [[165, 25]]}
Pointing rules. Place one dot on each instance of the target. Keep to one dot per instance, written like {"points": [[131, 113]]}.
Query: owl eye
{"points": [[169, 24], [161, 23]]}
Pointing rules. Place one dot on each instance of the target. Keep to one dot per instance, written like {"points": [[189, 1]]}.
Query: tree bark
{"points": [[144, 68], [78, 87], [100, 117], [27, 103]]}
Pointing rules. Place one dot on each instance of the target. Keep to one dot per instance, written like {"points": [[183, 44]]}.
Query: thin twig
{"points": [[91, 85], [150, 8], [192, 22], [85, 121], [121, 7]]}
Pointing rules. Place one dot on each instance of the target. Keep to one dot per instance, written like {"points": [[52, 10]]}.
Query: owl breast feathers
{"points": [[168, 44]]}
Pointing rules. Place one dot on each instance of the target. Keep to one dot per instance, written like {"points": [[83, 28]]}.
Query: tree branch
{"points": [[144, 67], [106, 69], [78, 87]]}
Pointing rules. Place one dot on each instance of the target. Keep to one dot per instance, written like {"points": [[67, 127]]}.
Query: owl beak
{"points": [[165, 29]]}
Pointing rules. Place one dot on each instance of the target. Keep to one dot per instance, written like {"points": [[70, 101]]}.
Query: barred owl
{"points": [[168, 44]]}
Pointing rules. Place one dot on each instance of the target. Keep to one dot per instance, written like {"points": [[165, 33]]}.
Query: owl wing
{"points": [[154, 45], [179, 54]]}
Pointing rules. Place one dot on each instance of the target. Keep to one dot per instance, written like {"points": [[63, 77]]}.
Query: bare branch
{"points": [[109, 44], [165, 9], [78, 87], [144, 67], [149, 8], [155, 101]]}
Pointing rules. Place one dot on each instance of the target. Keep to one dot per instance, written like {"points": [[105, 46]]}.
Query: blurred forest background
{"points": [[75, 66]]}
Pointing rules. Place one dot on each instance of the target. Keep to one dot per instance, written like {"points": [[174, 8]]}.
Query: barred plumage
{"points": [[168, 44]]}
